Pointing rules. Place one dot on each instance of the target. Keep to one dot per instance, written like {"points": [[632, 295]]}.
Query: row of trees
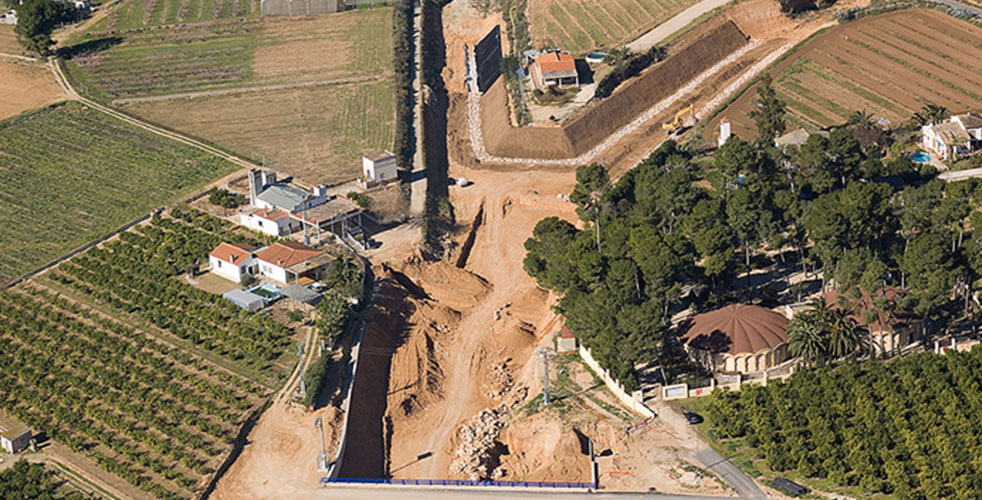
{"points": [[403, 62], [27, 481], [679, 219], [907, 428]]}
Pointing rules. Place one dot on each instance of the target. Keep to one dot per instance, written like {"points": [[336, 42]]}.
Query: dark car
{"points": [[693, 418]]}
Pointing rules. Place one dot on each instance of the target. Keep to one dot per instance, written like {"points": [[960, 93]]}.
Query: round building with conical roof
{"points": [[738, 338]]}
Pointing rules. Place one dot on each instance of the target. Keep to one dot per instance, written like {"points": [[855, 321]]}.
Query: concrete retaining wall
{"points": [[634, 401]]}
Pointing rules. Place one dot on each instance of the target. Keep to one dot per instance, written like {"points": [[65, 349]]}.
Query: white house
{"points": [[16, 439], [272, 222], [960, 135], [232, 260], [266, 193], [9, 17], [378, 167], [287, 261], [554, 69]]}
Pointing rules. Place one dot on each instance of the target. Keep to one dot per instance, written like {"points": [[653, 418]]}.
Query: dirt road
{"points": [[673, 25]]}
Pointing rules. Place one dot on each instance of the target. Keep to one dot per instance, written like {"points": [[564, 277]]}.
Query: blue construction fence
{"points": [[455, 482]]}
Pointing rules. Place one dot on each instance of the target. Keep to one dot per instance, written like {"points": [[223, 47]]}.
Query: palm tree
{"points": [[807, 337], [843, 335], [934, 113], [862, 119]]}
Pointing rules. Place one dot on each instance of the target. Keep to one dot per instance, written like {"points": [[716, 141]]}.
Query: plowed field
{"points": [[585, 25], [889, 65]]}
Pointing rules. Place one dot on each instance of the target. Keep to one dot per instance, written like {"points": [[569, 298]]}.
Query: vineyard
{"points": [[889, 65], [131, 14], [205, 56], [907, 429], [581, 26], [134, 275], [69, 174]]}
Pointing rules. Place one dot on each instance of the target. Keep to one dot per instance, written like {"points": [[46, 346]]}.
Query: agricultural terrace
{"points": [[136, 276], [134, 14], [308, 95], [906, 429], [150, 413], [69, 174], [889, 65], [26, 85], [584, 25]]}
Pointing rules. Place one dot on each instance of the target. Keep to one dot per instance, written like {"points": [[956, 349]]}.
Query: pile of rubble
{"points": [[477, 455]]}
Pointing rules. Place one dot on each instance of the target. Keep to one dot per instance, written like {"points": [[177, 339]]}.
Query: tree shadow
{"points": [[89, 47]]}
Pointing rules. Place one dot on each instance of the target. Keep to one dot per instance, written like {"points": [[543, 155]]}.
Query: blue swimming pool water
{"points": [[920, 157]]}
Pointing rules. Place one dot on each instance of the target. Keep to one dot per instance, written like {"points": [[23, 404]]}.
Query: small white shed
{"points": [[378, 167]]}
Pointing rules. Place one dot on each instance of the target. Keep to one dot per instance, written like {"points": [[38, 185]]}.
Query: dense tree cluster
{"points": [[224, 198], [843, 203], [27, 481], [36, 20], [907, 428]]}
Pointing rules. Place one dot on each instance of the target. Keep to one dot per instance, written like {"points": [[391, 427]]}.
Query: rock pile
{"points": [[477, 455]]}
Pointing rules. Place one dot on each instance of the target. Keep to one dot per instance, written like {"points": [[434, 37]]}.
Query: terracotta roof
{"points": [[271, 215], [970, 120], [555, 61], [233, 252], [565, 333], [884, 322], [287, 253], [737, 328], [950, 131], [378, 155]]}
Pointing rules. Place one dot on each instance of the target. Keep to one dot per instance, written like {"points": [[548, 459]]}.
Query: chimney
{"points": [[269, 177], [320, 191], [724, 132], [254, 186]]}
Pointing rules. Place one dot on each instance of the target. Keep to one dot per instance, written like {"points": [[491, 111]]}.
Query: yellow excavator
{"points": [[678, 123]]}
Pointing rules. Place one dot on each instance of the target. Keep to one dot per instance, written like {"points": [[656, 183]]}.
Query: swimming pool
{"points": [[920, 157]]}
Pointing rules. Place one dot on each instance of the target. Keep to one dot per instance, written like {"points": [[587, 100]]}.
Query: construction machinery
{"points": [[678, 123]]}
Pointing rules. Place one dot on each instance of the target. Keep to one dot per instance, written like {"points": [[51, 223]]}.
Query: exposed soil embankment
{"points": [[599, 119]]}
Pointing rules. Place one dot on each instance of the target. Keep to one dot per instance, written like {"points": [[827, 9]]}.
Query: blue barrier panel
{"points": [[458, 482]]}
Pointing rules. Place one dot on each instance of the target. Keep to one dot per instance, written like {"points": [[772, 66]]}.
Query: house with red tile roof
{"points": [[288, 261], [232, 260], [554, 68]]}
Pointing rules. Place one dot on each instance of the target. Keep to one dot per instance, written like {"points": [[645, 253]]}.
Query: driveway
{"points": [[668, 28]]}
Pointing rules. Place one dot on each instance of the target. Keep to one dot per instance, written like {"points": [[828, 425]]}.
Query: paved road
{"points": [[392, 493], [742, 483], [960, 175], [417, 198], [668, 28], [952, 3]]}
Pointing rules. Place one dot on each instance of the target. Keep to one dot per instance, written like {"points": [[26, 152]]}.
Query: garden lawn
{"points": [[69, 174]]}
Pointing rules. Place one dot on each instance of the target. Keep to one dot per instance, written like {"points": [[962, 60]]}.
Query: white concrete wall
{"points": [[226, 270], [272, 272], [633, 401]]}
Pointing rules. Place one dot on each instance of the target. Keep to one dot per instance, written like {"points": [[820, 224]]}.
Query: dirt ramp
{"points": [[503, 139], [601, 118], [447, 284]]}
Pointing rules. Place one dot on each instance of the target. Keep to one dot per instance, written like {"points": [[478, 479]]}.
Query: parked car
{"points": [[693, 417]]}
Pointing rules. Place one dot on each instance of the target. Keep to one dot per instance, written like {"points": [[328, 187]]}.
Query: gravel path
{"points": [[668, 28]]}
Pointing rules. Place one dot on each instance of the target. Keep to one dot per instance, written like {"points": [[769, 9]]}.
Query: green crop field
{"points": [[132, 14], [308, 95], [69, 174], [581, 26]]}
